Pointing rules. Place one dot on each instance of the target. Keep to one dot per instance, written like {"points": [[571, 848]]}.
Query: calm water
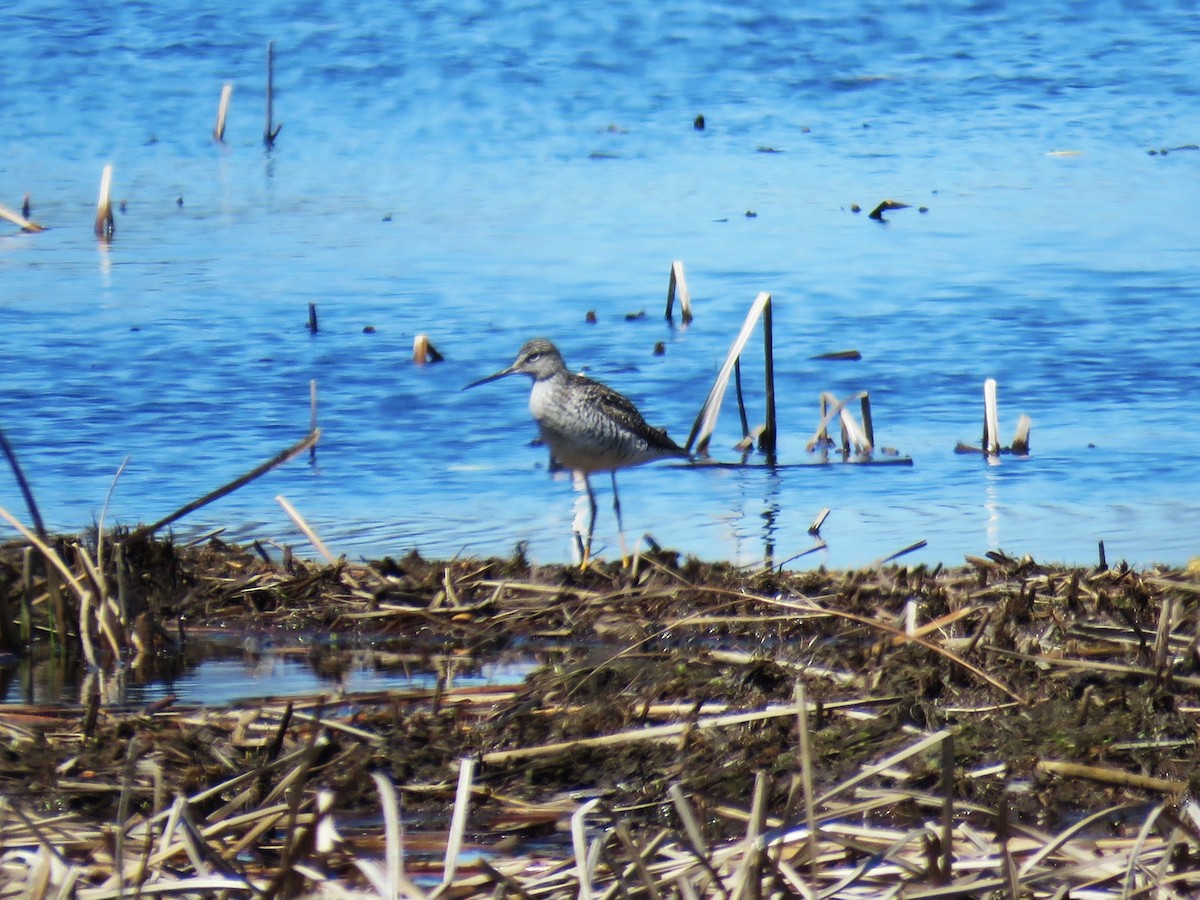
{"points": [[487, 172], [218, 670]]}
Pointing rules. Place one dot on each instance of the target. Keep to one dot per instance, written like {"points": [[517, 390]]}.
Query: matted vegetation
{"points": [[1003, 728]]}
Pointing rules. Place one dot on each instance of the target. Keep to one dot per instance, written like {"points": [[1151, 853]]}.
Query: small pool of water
{"points": [[225, 670]]}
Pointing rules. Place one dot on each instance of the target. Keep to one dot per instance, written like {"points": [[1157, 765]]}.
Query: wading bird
{"points": [[588, 426]]}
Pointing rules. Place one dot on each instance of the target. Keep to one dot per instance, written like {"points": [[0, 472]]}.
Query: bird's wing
{"points": [[619, 407]]}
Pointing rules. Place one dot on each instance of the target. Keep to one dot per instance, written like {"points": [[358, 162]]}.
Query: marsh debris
{"points": [[1003, 726]]}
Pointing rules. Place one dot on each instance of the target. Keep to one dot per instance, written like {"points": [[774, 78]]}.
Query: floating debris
{"points": [[885, 206]]}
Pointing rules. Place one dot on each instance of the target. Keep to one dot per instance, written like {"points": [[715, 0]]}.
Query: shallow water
{"points": [[215, 670], [488, 172]]}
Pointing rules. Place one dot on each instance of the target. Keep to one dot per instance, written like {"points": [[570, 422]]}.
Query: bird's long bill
{"points": [[491, 377]]}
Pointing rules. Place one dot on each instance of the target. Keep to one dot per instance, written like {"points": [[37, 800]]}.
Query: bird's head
{"points": [[538, 359]]}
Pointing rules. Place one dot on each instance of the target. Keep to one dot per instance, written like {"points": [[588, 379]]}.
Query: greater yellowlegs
{"points": [[588, 426]]}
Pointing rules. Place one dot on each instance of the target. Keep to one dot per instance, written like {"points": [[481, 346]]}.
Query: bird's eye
{"points": [[532, 357]]}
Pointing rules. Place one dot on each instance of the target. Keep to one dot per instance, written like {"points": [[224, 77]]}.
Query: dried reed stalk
{"points": [[678, 283], [20, 221], [499, 757], [305, 529], [1020, 441], [270, 130], [279, 459], [222, 112], [706, 421], [105, 226], [424, 352], [991, 419]]}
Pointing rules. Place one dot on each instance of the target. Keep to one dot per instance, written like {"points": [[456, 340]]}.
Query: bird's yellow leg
{"points": [[587, 544], [625, 558]]}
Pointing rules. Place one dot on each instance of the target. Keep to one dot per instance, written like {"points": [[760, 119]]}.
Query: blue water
{"points": [[488, 172], [223, 670]]}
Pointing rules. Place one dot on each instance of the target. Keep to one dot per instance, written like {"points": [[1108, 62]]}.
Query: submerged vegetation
{"points": [[690, 729]]}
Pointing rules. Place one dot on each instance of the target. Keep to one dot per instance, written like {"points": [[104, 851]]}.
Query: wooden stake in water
{"points": [[104, 217], [678, 283], [270, 131], [312, 318], [222, 111]]}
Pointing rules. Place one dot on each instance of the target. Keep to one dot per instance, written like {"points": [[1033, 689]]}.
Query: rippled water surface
{"points": [[488, 172]]}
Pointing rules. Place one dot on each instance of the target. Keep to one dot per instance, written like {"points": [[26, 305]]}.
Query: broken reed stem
{"points": [[737, 387], [706, 421], [458, 821], [831, 408], [105, 226], [677, 282], [1162, 642], [498, 757], [424, 352], [312, 416], [222, 111], [305, 528], [1112, 776], [1020, 442], [56, 564], [947, 807], [868, 423], [279, 459], [21, 222], [991, 419], [766, 441], [269, 131], [27, 597], [579, 846], [806, 782], [23, 484]]}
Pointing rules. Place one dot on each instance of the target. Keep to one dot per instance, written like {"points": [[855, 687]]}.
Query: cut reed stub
{"points": [[424, 352], [677, 284], [270, 130], [990, 446], [1020, 443], [104, 226], [222, 111]]}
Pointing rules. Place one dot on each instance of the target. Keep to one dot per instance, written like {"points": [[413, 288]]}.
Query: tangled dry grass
{"points": [[1002, 728]]}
